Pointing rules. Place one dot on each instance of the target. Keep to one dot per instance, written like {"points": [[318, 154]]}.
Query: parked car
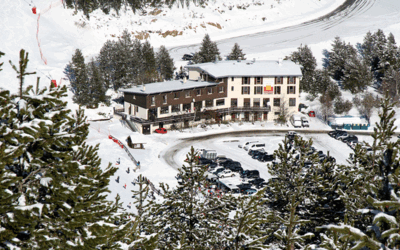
{"points": [[204, 161], [255, 151], [291, 135], [218, 170], [256, 181], [161, 131], [226, 162], [244, 186], [187, 57], [311, 114], [350, 138], [257, 155], [333, 133], [220, 158], [339, 133], [296, 121], [226, 173], [250, 174], [235, 166], [246, 143], [266, 157], [341, 136], [304, 122], [254, 146]]}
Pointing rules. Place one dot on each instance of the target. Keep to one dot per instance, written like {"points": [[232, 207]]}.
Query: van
{"points": [[304, 122], [296, 121], [246, 143], [254, 146]]}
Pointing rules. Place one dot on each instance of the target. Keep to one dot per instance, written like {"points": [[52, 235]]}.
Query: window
{"points": [[277, 90], [209, 103], [153, 100], [277, 102], [164, 110], [291, 89], [221, 89], [246, 102], [176, 95], [232, 79], [278, 80], [256, 102], [245, 90], [246, 80], [137, 108], [258, 90], [277, 113], [220, 102], [209, 91], [258, 80], [265, 102], [187, 107], [175, 108], [198, 92], [233, 102], [232, 88], [187, 94], [292, 80], [292, 102], [164, 99]]}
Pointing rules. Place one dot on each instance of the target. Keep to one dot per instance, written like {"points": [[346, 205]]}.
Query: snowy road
{"points": [[353, 18]]}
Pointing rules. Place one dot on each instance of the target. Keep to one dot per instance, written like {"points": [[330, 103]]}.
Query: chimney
{"points": [[184, 79], [216, 59], [144, 87], [280, 61]]}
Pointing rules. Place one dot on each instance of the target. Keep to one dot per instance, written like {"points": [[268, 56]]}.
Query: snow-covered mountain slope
{"points": [[52, 35]]}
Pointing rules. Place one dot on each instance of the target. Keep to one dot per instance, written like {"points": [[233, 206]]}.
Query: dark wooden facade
{"points": [[177, 97]]}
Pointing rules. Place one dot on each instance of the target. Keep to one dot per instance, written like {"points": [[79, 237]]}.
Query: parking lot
{"points": [[228, 146]]}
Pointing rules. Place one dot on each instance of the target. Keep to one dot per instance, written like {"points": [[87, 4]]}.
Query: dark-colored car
{"points": [[334, 132], [204, 161], [257, 181], [235, 166], [244, 186], [340, 134], [252, 152], [257, 155], [250, 174], [226, 162], [266, 157], [187, 57], [350, 138]]}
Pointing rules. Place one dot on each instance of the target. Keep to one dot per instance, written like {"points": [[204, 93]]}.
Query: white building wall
{"points": [[194, 74], [141, 113]]}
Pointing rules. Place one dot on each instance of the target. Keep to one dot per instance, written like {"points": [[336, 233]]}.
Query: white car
{"points": [[226, 173]]}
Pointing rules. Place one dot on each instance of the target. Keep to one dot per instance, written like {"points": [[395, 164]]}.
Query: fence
{"points": [[153, 188]]}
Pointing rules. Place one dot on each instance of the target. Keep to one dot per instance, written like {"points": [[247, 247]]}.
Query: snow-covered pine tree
{"points": [[237, 53], [378, 225], [357, 74], [149, 63], [306, 59], [60, 186], [124, 61], [97, 88], [190, 216], [340, 53], [208, 51], [165, 64], [21, 70], [80, 82], [248, 225], [391, 83], [107, 63]]}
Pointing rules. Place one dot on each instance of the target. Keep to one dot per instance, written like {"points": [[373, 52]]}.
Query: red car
{"points": [[311, 114], [161, 131]]}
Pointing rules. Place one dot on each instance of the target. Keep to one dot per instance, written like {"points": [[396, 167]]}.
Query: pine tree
{"points": [[97, 88], [356, 75], [124, 63], [165, 64], [80, 82], [1, 64], [340, 53], [107, 63], [189, 217], [305, 58], [59, 184], [21, 71], [378, 226], [237, 53], [149, 63], [208, 51]]}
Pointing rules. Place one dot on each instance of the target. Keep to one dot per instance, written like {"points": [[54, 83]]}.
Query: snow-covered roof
{"points": [[168, 86], [232, 68]]}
